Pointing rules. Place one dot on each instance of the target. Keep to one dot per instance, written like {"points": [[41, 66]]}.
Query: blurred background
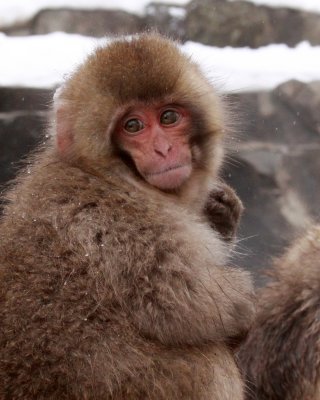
{"points": [[264, 55]]}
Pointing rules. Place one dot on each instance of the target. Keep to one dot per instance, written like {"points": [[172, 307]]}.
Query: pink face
{"points": [[157, 139]]}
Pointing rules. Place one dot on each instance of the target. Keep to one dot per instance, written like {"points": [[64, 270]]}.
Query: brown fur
{"points": [[281, 358], [110, 288]]}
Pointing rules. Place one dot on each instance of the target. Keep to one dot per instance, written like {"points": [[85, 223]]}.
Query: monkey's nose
{"points": [[161, 145]]}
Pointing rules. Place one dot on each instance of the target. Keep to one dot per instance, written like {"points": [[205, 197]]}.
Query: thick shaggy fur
{"points": [[109, 288], [281, 358]]}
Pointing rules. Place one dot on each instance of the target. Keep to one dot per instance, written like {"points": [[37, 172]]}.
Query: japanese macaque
{"points": [[114, 244], [281, 357]]}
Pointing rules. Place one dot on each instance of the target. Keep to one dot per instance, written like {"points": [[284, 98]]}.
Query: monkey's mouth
{"points": [[169, 178]]}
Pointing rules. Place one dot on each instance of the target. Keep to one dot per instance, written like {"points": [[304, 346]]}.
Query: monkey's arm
{"points": [[223, 210], [178, 303], [169, 278]]}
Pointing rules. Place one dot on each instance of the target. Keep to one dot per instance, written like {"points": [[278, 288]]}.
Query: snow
{"points": [[178, 12], [12, 11], [44, 61], [41, 61], [245, 69]]}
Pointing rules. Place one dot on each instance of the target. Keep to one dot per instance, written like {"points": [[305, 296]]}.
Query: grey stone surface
{"points": [[19, 134], [264, 231], [24, 99], [166, 19], [95, 23], [241, 23], [23, 122], [276, 168], [304, 101]]}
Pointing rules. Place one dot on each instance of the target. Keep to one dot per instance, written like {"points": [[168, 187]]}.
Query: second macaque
{"points": [[114, 248], [281, 356]]}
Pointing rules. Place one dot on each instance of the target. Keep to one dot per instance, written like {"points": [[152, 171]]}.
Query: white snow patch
{"points": [[178, 12], [249, 69], [41, 61], [44, 61]]}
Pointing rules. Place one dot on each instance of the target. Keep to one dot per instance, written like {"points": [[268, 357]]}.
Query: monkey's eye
{"points": [[169, 117], [133, 125]]}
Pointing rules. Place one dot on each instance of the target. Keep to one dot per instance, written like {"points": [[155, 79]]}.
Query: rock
{"points": [[267, 118], [166, 19], [276, 169], [303, 177], [304, 101], [17, 29], [18, 136], [240, 23], [264, 231], [97, 23], [23, 120], [25, 99]]}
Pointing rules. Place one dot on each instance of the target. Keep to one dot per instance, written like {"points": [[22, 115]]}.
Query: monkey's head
{"points": [[143, 103]]}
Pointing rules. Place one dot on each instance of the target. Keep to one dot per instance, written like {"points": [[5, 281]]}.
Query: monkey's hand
{"points": [[223, 210]]}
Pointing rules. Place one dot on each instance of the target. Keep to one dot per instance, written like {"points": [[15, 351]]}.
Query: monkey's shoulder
{"points": [[62, 215], [83, 212]]}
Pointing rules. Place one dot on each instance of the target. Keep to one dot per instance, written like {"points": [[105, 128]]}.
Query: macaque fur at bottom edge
{"points": [[281, 356], [110, 287]]}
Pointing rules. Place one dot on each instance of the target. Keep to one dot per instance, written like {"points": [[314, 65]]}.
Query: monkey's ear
{"points": [[62, 123]]}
